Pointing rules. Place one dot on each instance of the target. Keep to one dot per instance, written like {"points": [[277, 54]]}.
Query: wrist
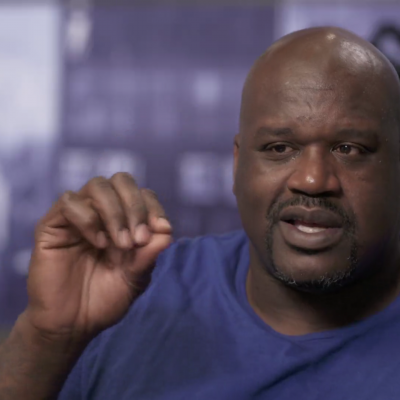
{"points": [[64, 345]]}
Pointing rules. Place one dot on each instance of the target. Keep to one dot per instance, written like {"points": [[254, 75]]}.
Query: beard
{"points": [[325, 283]]}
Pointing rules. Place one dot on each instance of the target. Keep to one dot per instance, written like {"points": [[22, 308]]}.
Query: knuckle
{"points": [[90, 221], [109, 216], [137, 209], [107, 212], [65, 200], [66, 197], [150, 193], [99, 182], [123, 177], [117, 217]]}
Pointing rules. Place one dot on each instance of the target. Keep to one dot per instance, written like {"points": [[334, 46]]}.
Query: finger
{"points": [[144, 261], [78, 213], [146, 256], [106, 202], [134, 206], [157, 217]]}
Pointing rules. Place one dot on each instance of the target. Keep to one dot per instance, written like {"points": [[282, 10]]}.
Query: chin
{"points": [[312, 269], [318, 273]]}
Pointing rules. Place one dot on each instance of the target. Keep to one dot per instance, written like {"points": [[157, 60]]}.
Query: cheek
{"points": [[257, 188], [375, 203]]}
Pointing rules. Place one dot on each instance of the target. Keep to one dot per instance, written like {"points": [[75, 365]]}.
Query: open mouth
{"points": [[309, 236], [310, 229], [307, 227]]}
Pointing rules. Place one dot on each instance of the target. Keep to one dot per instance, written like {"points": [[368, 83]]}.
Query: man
{"points": [[302, 305]]}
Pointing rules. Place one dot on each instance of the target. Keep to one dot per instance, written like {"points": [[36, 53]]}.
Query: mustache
{"points": [[273, 215]]}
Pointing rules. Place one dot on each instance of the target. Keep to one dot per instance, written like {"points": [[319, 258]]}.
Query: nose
{"points": [[314, 174]]}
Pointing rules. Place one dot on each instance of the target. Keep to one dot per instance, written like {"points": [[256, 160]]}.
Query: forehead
{"points": [[310, 97]]}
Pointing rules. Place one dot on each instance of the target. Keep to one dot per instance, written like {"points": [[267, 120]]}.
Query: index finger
{"points": [[134, 206]]}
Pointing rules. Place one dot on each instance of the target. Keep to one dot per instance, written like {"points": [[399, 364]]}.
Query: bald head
{"points": [[325, 59], [319, 130]]}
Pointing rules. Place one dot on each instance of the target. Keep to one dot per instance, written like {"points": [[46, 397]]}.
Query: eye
{"points": [[349, 149], [278, 148]]}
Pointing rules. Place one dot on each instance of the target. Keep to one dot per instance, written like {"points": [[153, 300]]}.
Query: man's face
{"points": [[317, 177]]}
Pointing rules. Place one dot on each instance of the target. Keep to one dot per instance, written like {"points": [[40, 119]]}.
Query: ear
{"points": [[235, 160]]}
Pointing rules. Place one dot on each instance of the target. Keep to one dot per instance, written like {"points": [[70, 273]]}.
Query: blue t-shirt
{"points": [[193, 336]]}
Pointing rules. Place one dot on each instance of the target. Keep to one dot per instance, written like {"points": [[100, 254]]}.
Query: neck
{"points": [[292, 312]]}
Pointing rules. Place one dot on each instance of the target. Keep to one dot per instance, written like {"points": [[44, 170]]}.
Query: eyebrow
{"points": [[279, 132], [359, 134], [347, 132]]}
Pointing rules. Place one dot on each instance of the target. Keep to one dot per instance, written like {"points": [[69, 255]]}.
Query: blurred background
{"points": [[92, 88]]}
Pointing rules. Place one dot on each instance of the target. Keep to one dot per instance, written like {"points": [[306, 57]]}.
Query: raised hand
{"points": [[94, 254]]}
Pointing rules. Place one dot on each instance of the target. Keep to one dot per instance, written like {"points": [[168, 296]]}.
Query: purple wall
{"points": [[153, 91]]}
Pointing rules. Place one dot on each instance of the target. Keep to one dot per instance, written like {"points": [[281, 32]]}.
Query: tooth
{"points": [[309, 229]]}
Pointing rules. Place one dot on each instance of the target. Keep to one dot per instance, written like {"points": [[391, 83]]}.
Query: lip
{"points": [[315, 216], [316, 241]]}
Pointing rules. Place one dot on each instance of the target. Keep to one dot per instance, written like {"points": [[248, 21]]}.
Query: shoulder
{"points": [[182, 272], [188, 253], [223, 242], [189, 263]]}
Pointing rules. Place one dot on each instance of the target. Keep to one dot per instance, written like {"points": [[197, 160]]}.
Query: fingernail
{"points": [[163, 223], [125, 238], [142, 234]]}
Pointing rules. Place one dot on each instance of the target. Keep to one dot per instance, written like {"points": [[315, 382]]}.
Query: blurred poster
{"points": [[29, 89], [155, 91], [152, 91]]}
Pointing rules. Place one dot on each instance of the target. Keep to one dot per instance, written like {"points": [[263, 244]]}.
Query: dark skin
{"points": [[95, 249], [319, 131], [94, 254]]}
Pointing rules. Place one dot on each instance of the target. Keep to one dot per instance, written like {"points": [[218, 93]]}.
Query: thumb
{"points": [[146, 256], [139, 272]]}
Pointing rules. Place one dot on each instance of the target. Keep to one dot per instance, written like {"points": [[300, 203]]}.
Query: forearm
{"points": [[33, 367]]}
